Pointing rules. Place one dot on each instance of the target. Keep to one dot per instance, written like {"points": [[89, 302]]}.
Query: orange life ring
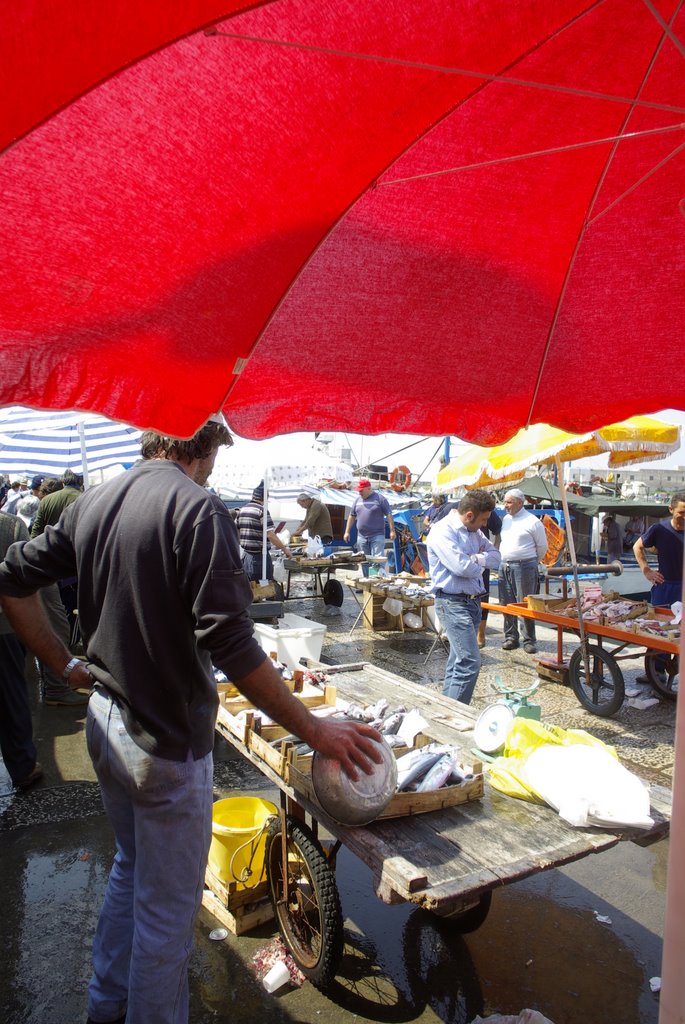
{"points": [[400, 478]]}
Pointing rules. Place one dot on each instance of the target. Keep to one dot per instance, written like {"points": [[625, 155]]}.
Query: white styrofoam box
{"points": [[293, 638]]}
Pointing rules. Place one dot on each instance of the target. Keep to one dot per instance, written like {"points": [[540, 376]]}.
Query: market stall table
{"points": [[447, 861], [605, 693], [321, 569], [374, 592]]}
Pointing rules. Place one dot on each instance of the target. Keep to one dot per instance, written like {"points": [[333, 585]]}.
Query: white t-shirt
{"points": [[523, 538]]}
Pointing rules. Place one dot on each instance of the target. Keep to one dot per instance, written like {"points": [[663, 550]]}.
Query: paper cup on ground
{"points": [[277, 977]]}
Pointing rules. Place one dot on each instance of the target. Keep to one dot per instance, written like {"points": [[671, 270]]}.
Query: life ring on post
{"points": [[400, 479]]}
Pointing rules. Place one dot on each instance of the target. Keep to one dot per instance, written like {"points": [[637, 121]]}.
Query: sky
{"points": [[394, 449]]}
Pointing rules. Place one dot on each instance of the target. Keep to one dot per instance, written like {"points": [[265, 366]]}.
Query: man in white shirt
{"points": [[457, 553], [523, 545]]}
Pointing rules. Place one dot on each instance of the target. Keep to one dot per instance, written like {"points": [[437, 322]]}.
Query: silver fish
{"points": [[438, 775], [392, 724], [410, 768], [378, 709]]}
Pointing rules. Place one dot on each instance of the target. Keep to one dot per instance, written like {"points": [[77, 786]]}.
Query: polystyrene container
{"points": [[295, 637]]}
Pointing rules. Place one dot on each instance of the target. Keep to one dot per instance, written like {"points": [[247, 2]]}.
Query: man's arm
{"points": [[277, 542], [540, 539], [350, 523], [653, 575], [30, 623], [391, 525]]}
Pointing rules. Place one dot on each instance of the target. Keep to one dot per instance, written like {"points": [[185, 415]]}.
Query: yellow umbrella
{"points": [[637, 439]]}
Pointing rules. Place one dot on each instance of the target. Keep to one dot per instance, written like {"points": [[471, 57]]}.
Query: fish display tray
{"points": [[236, 719]]}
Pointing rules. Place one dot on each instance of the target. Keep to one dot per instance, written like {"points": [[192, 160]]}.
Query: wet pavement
{"points": [[578, 943]]}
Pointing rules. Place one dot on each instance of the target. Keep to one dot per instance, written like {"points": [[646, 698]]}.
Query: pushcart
{"points": [[448, 861], [603, 691]]}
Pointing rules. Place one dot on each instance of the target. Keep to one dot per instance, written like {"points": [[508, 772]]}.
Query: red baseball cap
{"points": [[363, 483]]}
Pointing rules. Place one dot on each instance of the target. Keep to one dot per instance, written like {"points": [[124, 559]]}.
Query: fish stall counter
{"points": [[445, 853]]}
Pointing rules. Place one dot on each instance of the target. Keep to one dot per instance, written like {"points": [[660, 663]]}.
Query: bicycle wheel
{"points": [[661, 669], [604, 692], [309, 917]]}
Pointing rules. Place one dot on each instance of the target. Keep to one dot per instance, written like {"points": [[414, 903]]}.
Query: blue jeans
{"points": [[373, 545], [161, 812], [460, 621], [516, 580]]}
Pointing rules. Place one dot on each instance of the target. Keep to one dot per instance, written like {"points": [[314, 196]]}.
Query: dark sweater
{"points": [[162, 595]]}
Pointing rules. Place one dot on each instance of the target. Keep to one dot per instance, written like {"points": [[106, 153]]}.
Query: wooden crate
{"points": [[298, 775], [239, 910], [296, 770], [543, 603]]}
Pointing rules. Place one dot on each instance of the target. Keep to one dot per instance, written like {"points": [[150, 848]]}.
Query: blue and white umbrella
{"points": [[49, 442]]}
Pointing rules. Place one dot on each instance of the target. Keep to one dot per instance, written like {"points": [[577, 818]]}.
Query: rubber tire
{"points": [[671, 663], [576, 674], [333, 593], [317, 958], [466, 921]]}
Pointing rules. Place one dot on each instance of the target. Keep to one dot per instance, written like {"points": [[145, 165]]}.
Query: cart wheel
{"points": [[465, 921], [661, 670], [310, 917], [604, 694]]}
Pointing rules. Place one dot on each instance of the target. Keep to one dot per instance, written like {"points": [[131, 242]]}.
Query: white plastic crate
{"points": [[295, 637]]}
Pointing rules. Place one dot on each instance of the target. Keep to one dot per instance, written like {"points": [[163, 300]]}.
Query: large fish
{"points": [[414, 765], [438, 775]]}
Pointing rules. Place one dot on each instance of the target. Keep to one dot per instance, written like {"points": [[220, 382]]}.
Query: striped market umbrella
{"points": [[40, 441]]}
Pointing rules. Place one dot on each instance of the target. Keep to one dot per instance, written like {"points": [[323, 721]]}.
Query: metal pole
{"points": [[672, 998], [574, 566], [84, 455], [265, 516]]}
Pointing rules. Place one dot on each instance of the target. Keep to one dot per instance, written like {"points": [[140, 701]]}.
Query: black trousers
{"points": [[16, 732]]}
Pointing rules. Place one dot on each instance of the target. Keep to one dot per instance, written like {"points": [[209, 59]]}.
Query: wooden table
{"points": [[446, 859], [371, 603], [316, 568]]}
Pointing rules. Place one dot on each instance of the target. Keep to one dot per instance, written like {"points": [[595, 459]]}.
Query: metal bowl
{"points": [[351, 802]]}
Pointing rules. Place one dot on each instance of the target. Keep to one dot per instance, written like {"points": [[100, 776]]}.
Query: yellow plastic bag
{"points": [[525, 736]]}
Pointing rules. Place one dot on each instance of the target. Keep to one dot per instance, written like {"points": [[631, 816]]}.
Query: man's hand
{"points": [[653, 575], [350, 743], [80, 678], [392, 534], [346, 537]]}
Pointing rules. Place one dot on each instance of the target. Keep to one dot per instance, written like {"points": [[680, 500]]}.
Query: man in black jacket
{"points": [[162, 597]]}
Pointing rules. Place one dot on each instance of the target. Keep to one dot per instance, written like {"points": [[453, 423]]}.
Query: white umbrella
{"points": [[33, 441]]}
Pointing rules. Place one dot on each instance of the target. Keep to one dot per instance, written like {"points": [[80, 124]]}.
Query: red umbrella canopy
{"points": [[433, 217]]}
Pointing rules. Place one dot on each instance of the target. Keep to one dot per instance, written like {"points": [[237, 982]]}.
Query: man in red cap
{"points": [[369, 510]]}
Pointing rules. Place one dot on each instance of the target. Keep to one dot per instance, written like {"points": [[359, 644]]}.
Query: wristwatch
{"points": [[70, 666]]}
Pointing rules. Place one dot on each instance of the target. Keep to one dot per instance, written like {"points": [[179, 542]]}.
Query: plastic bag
{"points": [[314, 547], [280, 571], [572, 771]]}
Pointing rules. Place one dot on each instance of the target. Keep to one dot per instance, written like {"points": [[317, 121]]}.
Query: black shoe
{"points": [[119, 1020], [530, 648], [35, 775], [509, 645]]}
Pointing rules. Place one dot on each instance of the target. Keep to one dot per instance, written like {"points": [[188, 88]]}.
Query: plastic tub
{"points": [[236, 853], [293, 638]]}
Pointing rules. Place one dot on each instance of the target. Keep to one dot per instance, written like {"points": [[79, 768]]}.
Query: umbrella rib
{"points": [[584, 226], [538, 152], [484, 77], [637, 184], [667, 26]]}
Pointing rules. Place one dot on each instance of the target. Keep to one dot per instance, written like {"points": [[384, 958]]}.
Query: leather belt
{"points": [[457, 597]]}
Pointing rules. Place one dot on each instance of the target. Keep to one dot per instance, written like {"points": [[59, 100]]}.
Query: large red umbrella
{"points": [[438, 217], [430, 216]]}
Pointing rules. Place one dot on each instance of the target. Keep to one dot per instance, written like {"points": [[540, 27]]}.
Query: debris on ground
{"points": [[276, 952], [524, 1017]]}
